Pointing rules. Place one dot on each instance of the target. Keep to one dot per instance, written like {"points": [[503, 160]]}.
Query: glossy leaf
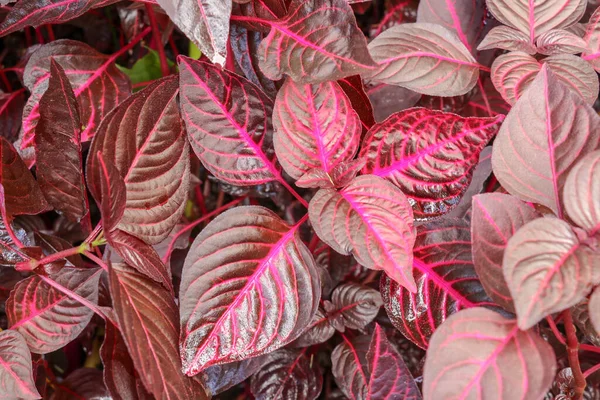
{"points": [[11, 108], [83, 383], [594, 309], [317, 41], [495, 219], [220, 378], [423, 57], [428, 154], [109, 188], [446, 282], [560, 41], [145, 139], [358, 305], [506, 38], [10, 254], [547, 269], [581, 194], [147, 315], [537, 173], [477, 352], [16, 375], [249, 286], [355, 90], [47, 318], [315, 128]]}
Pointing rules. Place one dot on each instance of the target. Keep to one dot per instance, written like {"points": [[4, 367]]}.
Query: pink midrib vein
{"points": [[431, 274], [21, 382]]}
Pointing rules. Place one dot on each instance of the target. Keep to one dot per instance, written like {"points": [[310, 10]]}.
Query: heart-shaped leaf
{"points": [[505, 38], [494, 358], [11, 108], [581, 194], [547, 269], [536, 146], [357, 304], [305, 44], [16, 374], [246, 257], [378, 223], [426, 58], [560, 41], [496, 217], [594, 309], [145, 139], [428, 154]]}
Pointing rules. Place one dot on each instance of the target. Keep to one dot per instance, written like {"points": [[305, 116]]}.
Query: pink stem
{"points": [[164, 66], [590, 371], [96, 259]]}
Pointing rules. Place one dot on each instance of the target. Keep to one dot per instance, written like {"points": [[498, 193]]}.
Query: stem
{"points": [[74, 296], [60, 255], [555, 330], [96, 259], [589, 347], [50, 33], [591, 370], [573, 355], [164, 66]]}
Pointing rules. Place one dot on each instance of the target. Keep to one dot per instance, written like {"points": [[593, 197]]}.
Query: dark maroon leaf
{"points": [[396, 12], [83, 383], [486, 102], [389, 99], [147, 315], [446, 282], [47, 318], [594, 308], [145, 139], [354, 89], [428, 154], [58, 147], [581, 193], [220, 378], [110, 190], [249, 286], [16, 375], [259, 13], [287, 374], [317, 41], [11, 107], [320, 330], [358, 305], [494, 359], [53, 244], [9, 277]]}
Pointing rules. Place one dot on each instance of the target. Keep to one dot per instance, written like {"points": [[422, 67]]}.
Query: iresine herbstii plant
{"points": [[222, 205]]}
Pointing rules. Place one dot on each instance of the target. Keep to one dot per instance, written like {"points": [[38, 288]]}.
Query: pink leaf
{"points": [[11, 108], [547, 269], [377, 225], [594, 310], [505, 38], [582, 193], [246, 257], [560, 41], [428, 154], [305, 44], [389, 99], [477, 352], [592, 40], [16, 374], [259, 13], [496, 218], [536, 146]]}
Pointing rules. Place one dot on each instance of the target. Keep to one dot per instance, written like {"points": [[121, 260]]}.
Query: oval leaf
{"points": [[582, 193], [319, 331], [505, 38], [560, 41], [357, 304], [220, 378], [16, 370]]}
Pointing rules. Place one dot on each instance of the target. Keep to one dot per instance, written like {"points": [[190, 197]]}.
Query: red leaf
{"points": [[536, 146], [108, 189], [11, 108], [315, 128], [358, 305], [378, 225], [339, 176], [257, 10], [446, 282], [477, 352], [58, 147], [495, 219], [580, 195], [305, 45], [249, 286], [354, 89], [428, 154], [47, 318], [83, 383], [147, 315], [145, 139], [16, 374], [547, 269]]}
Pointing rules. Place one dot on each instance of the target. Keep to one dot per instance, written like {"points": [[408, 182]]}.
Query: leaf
{"points": [[287, 374], [53, 244], [582, 193], [358, 305], [371, 368], [306, 44], [16, 374], [146, 68], [594, 308], [47, 318], [560, 41], [355, 90], [147, 315], [315, 128], [21, 193], [145, 139], [537, 145], [58, 147], [259, 13], [535, 18], [389, 99], [495, 219], [10, 254], [428, 154], [109, 191], [378, 225], [426, 58], [204, 22], [83, 383], [547, 269], [505, 38], [319, 331], [220, 378], [11, 108], [249, 286], [339, 176], [446, 282], [592, 39], [477, 352]]}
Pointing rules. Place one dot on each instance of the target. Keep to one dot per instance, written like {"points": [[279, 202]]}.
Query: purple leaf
{"points": [[358, 305], [426, 58], [145, 139], [581, 193], [287, 374], [109, 189], [315, 128], [505, 38], [317, 41], [220, 378], [147, 315], [11, 108], [249, 286], [446, 282], [537, 146], [58, 147], [560, 41], [377, 221], [83, 383], [496, 218], [477, 352], [47, 318], [547, 269], [428, 154], [16, 374]]}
